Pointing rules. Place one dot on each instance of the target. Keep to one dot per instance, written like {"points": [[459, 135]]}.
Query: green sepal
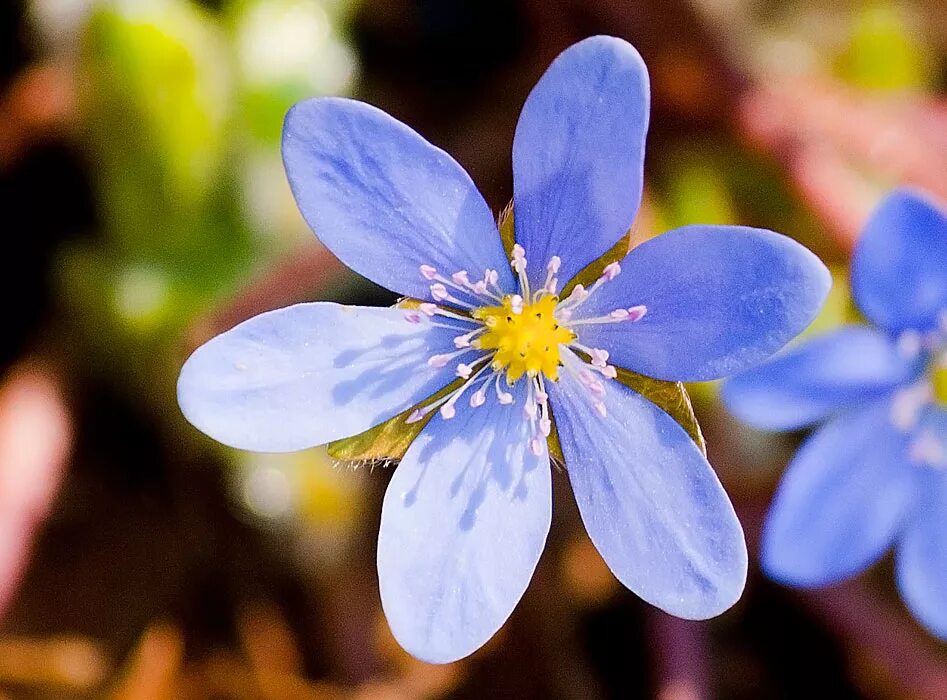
{"points": [[670, 397], [505, 226], [591, 272], [388, 440]]}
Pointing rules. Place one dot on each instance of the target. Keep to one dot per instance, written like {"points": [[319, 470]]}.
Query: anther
{"points": [[412, 317], [461, 278], [438, 360], [909, 343], [545, 426], [448, 411], [464, 371], [600, 408], [636, 313], [536, 446], [439, 291], [427, 308], [599, 357], [428, 272], [611, 271], [579, 293], [478, 398], [416, 415], [554, 263]]}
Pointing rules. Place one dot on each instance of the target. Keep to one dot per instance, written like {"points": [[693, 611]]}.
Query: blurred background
{"points": [[146, 210]]}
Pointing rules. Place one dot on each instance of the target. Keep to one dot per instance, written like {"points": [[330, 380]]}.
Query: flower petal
{"points": [[921, 561], [463, 523], [650, 501], [384, 200], [578, 155], [719, 299], [841, 500], [307, 374], [899, 268], [832, 371]]}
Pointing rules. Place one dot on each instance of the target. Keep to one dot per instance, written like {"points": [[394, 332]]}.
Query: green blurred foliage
{"points": [[884, 51], [181, 111]]}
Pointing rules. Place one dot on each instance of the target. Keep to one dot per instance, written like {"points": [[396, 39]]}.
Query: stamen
{"points": [[503, 397], [447, 409], [441, 360], [438, 361], [463, 341], [492, 277], [632, 315], [909, 343], [519, 265], [552, 267], [536, 446], [479, 397], [926, 449], [907, 405], [611, 271]]}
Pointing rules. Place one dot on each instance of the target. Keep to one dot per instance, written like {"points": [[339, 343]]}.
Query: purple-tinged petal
{"points": [[311, 373], [578, 155], [841, 501], [921, 561], [899, 268], [824, 375], [463, 524], [384, 200], [651, 503], [719, 299]]}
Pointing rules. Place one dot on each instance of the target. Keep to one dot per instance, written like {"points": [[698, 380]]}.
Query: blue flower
{"points": [[876, 474], [467, 511]]}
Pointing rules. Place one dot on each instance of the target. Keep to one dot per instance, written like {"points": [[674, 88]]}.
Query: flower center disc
{"points": [[525, 337], [939, 383]]}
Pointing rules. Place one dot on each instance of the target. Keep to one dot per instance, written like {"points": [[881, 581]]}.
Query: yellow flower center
{"points": [[525, 340], [939, 381]]}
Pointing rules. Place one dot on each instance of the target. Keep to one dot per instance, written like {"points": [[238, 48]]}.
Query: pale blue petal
{"points": [[463, 523], [384, 200], [841, 501], [578, 155], [719, 299], [899, 268], [308, 374], [841, 368], [650, 501], [922, 550]]}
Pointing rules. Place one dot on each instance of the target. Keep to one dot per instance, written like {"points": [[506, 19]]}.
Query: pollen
{"points": [[525, 337]]}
